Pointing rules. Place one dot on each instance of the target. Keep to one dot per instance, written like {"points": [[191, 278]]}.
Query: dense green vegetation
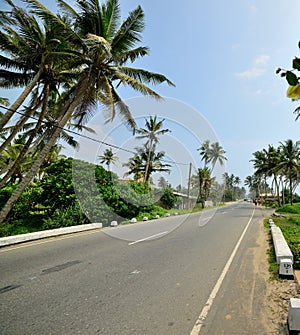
{"points": [[73, 192]]}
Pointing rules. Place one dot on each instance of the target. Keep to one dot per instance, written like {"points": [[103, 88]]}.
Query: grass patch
{"points": [[273, 266], [289, 223]]}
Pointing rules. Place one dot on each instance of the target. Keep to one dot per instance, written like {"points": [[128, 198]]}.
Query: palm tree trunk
{"points": [[18, 126], [291, 189], [38, 162], [26, 147], [12, 109], [146, 177]]}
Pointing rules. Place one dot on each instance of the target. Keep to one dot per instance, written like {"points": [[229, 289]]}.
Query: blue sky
{"points": [[222, 56]]}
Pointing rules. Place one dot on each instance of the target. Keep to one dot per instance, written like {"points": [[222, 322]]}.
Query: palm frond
{"points": [[136, 84], [131, 55], [110, 18], [129, 32], [145, 76], [124, 111], [67, 9]]}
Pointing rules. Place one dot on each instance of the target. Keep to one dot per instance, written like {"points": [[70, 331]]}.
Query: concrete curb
{"points": [[15, 239]]}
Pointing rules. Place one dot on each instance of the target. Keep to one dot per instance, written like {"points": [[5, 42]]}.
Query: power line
{"points": [[88, 137]]}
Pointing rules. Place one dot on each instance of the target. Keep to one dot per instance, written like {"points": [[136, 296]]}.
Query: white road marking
{"points": [[148, 238], [199, 323]]}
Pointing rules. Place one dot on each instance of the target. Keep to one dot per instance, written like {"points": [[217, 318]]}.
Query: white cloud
{"points": [[253, 9], [262, 60], [258, 69]]}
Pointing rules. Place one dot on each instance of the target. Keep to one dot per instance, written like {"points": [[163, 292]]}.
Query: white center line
{"points": [[148, 238], [199, 323]]}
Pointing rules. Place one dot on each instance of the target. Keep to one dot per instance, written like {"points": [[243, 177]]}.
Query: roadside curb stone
{"points": [[15, 239]]}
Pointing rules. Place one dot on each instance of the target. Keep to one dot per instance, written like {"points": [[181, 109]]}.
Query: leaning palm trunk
{"points": [[39, 161], [10, 112], [26, 147], [19, 126]]}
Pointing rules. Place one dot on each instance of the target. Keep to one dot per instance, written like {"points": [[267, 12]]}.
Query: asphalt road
{"points": [[170, 276]]}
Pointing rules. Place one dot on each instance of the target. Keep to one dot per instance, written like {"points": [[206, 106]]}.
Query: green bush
{"points": [[293, 209], [65, 217], [168, 199]]}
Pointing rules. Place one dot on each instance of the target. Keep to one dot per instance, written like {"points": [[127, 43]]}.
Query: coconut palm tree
{"points": [[152, 132], [205, 152], [204, 183], [101, 49], [290, 164], [31, 53], [216, 154], [136, 167], [266, 164], [108, 158], [140, 160]]}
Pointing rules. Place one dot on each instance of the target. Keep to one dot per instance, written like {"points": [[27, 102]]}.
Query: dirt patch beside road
{"points": [[278, 292]]}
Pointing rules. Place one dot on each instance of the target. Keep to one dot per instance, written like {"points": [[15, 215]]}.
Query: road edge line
{"points": [[199, 323]]}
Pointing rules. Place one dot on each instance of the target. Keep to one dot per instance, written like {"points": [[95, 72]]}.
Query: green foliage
{"points": [[152, 213], [24, 206], [57, 185], [291, 78], [65, 217], [295, 209], [168, 198]]}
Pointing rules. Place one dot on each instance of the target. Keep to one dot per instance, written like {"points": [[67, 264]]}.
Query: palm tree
{"points": [[29, 47], [151, 133], [204, 182], [136, 167], [101, 48], [290, 163], [108, 158], [236, 183], [205, 152], [10, 154], [212, 153], [140, 160], [266, 164], [216, 154]]}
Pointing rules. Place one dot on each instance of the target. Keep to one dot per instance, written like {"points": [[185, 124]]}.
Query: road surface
{"points": [[181, 275]]}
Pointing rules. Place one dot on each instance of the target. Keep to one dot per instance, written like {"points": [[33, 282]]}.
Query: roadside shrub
{"points": [[293, 209], [65, 217], [168, 199]]}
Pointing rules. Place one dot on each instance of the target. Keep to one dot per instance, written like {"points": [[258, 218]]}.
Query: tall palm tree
{"points": [[101, 49], [290, 163], [266, 163], [216, 154], [31, 51], [204, 181], [140, 160], [205, 152], [152, 132], [108, 158]]}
